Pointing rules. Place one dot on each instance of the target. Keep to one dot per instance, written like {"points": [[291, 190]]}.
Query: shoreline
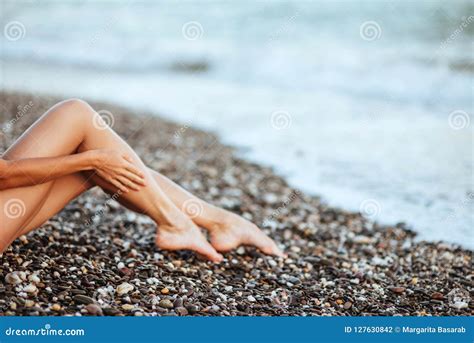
{"points": [[339, 263]]}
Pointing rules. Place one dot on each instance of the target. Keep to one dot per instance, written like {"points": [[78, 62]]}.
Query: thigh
{"points": [[26, 208], [58, 132], [63, 191]]}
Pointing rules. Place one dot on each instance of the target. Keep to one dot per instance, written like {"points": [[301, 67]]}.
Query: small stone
{"points": [[56, 307], [29, 303], [272, 263], [34, 278], [165, 291], [121, 265], [228, 288], [30, 288], [295, 249], [347, 305], [124, 288], [128, 307], [178, 302], [192, 309], [397, 290], [13, 278], [251, 298], [437, 296], [94, 309], [241, 250], [182, 311], [165, 303], [459, 305], [83, 299], [110, 311], [339, 301]]}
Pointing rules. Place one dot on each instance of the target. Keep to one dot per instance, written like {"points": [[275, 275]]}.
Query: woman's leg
{"points": [[63, 191], [227, 230], [71, 126]]}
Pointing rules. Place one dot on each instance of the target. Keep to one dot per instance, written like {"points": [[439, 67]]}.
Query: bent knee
{"points": [[75, 106], [74, 110]]}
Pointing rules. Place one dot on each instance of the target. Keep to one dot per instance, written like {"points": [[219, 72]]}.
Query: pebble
{"points": [[30, 288], [165, 291], [124, 288], [34, 278], [178, 302], [182, 311], [29, 303], [437, 296], [56, 307], [397, 290], [83, 299], [13, 278], [251, 298], [192, 309], [94, 310], [110, 311], [128, 307], [165, 303]]}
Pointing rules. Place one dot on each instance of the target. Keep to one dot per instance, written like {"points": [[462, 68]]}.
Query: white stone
{"points": [[124, 288]]}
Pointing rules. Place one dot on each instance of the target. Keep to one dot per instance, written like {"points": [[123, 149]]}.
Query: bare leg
{"points": [[72, 123], [227, 230]]}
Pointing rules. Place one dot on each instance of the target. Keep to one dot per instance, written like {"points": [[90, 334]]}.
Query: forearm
{"points": [[33, 171]]}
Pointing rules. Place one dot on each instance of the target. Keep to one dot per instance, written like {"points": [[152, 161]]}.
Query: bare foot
{"points": [[235, 230], [172, 238]]}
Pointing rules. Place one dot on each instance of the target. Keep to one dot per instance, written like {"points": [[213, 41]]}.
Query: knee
{"points": [[76, 109], [76, 105]]}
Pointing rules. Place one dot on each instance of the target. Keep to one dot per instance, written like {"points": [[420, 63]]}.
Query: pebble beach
{"points": [[97, 258]]}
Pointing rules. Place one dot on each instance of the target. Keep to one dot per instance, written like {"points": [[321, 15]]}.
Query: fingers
{"points": [[118, 185], [131, 167], [269, 247], [134, 178], [128, 183], [206, 249]]}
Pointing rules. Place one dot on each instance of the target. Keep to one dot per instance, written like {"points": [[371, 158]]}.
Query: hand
{"points": [[117, 168]]}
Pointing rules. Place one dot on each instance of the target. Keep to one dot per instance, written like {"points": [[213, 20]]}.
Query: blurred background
{"points": [[365, 103]]}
